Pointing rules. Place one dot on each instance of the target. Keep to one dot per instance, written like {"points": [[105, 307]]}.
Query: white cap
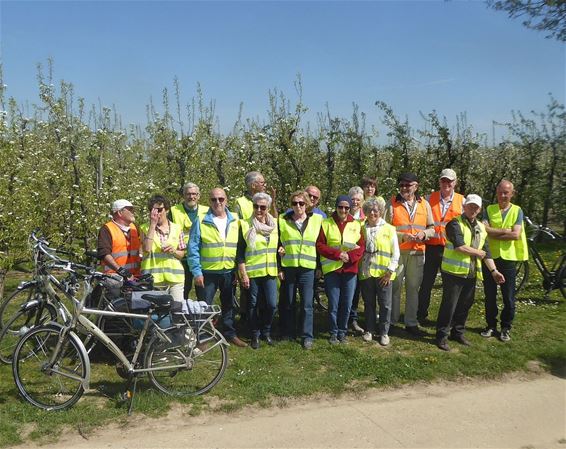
{"points": [[120, 204], [448, 173], [472, 198]]}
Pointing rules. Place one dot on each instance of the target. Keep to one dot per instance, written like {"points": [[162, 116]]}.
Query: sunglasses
{"points": [[343, 207], [298, 203], [260, 207], [217, 200], [407, 186], [131, 209]]}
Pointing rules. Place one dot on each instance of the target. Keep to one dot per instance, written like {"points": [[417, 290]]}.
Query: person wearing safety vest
{"points": [[445, 204], [185, 214], [164, 247], [377, 268], [213, 245], [466, 247], [298, 231], [508, 243], [340, 244], [118, 245], [412, 217], [257, 267]]}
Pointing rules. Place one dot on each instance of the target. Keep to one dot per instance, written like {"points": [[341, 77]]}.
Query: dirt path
{"points": [[515, 413]]}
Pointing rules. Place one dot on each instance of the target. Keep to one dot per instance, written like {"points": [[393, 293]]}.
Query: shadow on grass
{"points": [[557, 365]]}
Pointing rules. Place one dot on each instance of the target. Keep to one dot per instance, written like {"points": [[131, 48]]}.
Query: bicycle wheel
{"points": [[522, 275], [55, 388], [182, 371], [21, 323], [11, 305], [561, 281]]}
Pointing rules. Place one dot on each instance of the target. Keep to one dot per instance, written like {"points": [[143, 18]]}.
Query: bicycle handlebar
{"points": [[542, 229]]}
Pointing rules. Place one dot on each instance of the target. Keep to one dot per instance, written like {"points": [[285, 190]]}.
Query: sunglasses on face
{"points": [[217, 200], [131, 209], [343, 207], [260, 207], [298, 203], [407, 186]]}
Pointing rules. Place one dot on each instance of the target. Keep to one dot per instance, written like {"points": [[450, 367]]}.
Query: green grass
{"points": [[271, 376]]}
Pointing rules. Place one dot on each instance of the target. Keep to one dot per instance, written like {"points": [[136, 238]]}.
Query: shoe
{"points": [[356, 327], [239, 343], [414, 331], [367, 337], [488, 332], [307, 344], [505, 335], [333, 340], [268, 340], [384, 340], [343, 340], [255, 343], [443, 344], [461, 339]]}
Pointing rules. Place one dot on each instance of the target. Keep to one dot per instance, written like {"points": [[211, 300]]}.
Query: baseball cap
{"points": [[449, 174], [120, 204], [472, 198], [408, 177]]}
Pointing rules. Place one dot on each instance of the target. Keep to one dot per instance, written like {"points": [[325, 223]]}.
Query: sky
{"points": [[417, 56]]}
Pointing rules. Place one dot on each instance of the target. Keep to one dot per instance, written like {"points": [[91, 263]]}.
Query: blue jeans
{"points": [[261, 305], [223, 282], [507, 268], [340, 289], [302, 279], [373, 293]]}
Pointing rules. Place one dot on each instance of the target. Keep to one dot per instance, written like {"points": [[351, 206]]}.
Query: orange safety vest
{"points": [[403, 224], [126, 252], [440, 222]]}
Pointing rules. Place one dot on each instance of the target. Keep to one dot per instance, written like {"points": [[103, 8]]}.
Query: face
{"points": [[471, 211], [314, 195], [407, 189], [160, 208], [369, 190], [258, 185], [260, 209], [298, 204], [356, 202], [191, 196], [218, 201], [447, 186], [343, 209], [373, 217], [505, 193], [127, 215]]}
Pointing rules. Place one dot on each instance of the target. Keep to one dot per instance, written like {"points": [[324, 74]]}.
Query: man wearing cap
{"points": [[118, 246], [508, 243], [445, 205], [466, 246], [412, 217]]}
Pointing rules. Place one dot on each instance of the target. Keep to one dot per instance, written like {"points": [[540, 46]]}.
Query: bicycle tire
{"points": [[522, 275], [55, 389], [11, 305], [19, 325], [561, 281], [203, 367]]}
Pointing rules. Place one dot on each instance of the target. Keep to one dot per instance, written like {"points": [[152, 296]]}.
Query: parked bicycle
{"points": [[553, 277]]}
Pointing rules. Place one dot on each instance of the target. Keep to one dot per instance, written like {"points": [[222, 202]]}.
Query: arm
{"points": [[193, 254], [354, 255], [324, 250], [147, 242], [505, 234], [429, 231]]}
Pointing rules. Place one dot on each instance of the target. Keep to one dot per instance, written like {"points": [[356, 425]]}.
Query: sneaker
{"points": [[343, 340], [356, 327], [488, 332], [505, 335], [384, 340], [333, 340], [307, 344], [367, 337]]}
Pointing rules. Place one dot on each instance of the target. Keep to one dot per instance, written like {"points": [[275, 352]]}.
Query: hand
{"points": [[420, 236], [481, 253], [273, 192], [167, 249], [281, 276], [153, 217], [281, 251], [317, 274], [498, 277], [408, 237], [245, 281], [344, 257], [199, 281], [385, 280]]}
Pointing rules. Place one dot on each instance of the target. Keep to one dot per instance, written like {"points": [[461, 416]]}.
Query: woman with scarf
{"points": [[257, 267]]}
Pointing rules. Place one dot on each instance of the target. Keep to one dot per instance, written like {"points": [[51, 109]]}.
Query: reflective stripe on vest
{"points": [[507, 249], [165, 267], [179, 215], [216, 254], [381, 259], [454, 210], [261, 260], [246, 207], [126, 252], [403, 224], [344, 242], [300, 250], [458, 263]]}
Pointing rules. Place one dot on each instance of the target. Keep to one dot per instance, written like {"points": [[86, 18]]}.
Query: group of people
{"points": [[366, 247]]}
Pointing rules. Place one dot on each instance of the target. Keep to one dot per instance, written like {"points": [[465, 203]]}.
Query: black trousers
{"points": [[457, 299], [433, 260]]}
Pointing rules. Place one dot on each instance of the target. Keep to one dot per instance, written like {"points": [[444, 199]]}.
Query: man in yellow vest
{"points": [[508, 243], [465, 248], [445, 204], [185, 214], [213, 245], [255, 183]]}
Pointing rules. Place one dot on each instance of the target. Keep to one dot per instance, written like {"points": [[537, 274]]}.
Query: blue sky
{"points": [[414, 55]]}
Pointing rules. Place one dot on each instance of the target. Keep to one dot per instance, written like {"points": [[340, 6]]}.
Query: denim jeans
{"points": [[355, 303], [224, 283], [340, 289], [262, 304], [457, 299], [373, 293], [302, 279], [507, 268]]}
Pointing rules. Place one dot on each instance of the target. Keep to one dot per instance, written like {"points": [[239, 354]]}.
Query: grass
{"points": [[271, 376]]}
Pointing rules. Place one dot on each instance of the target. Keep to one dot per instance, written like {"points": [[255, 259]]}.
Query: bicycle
{"points": [[51, 366], [553, 278]]}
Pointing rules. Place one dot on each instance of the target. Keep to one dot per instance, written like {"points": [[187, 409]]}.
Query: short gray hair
{"points": [[251, 177], [372, 203], [262, 196], [356, 190], [190, 185]]}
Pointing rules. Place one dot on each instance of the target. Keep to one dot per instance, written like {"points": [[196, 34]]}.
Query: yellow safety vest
{"points": [[261, 259], [458, 263], [164, 267], [246, 207], [215, 253], [384, 251], [506, 249], [300, 249], [179, 216], [344, 242]]}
